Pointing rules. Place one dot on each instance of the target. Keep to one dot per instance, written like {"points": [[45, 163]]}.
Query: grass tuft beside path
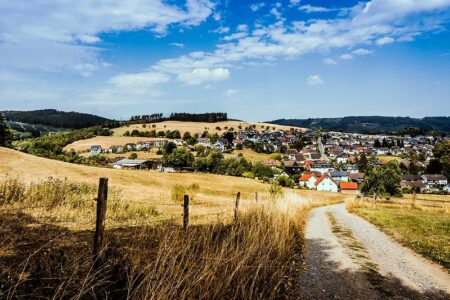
{"points": [[425, 231]]}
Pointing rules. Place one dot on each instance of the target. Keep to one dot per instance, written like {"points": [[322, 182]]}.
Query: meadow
{"points": [[421, 227], [48, 214], [199, 127]]}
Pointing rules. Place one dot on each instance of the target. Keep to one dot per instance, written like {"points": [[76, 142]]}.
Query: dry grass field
{"points": [[384, 159], [251, 155], [217, 191], [198, 127], [46, 230]]}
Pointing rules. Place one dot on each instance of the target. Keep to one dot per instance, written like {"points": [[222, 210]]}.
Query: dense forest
{"points": [[206, 117], [374, 124], [55, 118]]}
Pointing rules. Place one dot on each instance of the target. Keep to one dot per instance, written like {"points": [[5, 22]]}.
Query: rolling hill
{"points": [[55, 118], [371, 124]]}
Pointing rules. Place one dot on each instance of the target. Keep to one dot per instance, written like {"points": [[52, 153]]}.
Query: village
{"points": [[315, 160]]}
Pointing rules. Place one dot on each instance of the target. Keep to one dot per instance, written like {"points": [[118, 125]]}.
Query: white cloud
{"points": [[314, 80], [178, 45], [314, 9], [67, 20], [257, 6], [146, 79], [201, 75], [222, 30], [217, 16], [280, 40], [242, 27], [384, 41], [329, 61], [52, 34], [346, 56], [232, 92], [295, 2], [362, 52]]}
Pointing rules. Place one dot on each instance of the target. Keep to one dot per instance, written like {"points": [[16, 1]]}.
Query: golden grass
{"points": [[198, 127], [384, 159], [426, 230], [250, 155], [256, 257], [217, 191], [105, 142]]}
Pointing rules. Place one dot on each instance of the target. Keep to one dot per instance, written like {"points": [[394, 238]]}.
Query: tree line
{"points": [[205, 117]]}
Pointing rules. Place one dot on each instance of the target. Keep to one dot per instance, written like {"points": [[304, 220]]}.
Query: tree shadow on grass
{"points": [[323, 278]]}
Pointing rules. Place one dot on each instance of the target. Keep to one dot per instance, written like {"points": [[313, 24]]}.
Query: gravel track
{"points": [[349, 258]]}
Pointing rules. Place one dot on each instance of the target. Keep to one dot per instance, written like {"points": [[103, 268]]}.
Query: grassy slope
{"points": [[153, 186], [196, 127], [423, 230]]}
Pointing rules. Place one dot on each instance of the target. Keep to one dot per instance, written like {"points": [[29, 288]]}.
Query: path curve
{"points": [[349, 258]]}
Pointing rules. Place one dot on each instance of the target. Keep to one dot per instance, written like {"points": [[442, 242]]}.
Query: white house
{"points": [[326, 184], [96, 149], [308, 181], [205, 142]]}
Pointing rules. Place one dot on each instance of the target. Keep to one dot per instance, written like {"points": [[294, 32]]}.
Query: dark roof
{"points": [[435, 177], [411, 177]]}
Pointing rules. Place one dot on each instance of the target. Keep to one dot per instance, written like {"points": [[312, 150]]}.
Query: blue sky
{"points": [[255, 60]]}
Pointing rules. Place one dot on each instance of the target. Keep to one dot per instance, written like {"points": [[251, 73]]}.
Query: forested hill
{"points": [[373, 124], [55, 118]]}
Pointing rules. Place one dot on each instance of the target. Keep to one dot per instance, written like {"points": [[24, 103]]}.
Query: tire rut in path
{"points": [[340, 264]]}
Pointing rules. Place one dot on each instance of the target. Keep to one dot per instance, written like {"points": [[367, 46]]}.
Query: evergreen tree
{"points": [[5, 134]]}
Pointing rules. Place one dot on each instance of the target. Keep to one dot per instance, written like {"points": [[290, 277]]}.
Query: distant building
{"points": [[96, 149]]}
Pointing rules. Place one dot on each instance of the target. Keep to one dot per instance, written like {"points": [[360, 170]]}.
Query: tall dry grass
{"points": [[258, 256]]}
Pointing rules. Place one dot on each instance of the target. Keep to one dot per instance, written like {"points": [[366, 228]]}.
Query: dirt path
{"points": [[349, 258]]}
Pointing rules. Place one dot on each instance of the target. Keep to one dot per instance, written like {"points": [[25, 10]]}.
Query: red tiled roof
{"points": [[323, 177], [306, 177], [353, 186]]}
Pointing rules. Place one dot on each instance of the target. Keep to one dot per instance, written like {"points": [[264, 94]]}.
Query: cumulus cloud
{"points": [[67, 24], [384, 41], [201, 75], [314, 80], [346, 56], [362, 52], [365, 24]]}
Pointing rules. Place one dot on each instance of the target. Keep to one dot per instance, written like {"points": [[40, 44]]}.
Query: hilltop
{"points": [[55, 118], [372, 124]]}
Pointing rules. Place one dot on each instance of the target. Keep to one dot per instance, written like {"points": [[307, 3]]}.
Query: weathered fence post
{"points": [[414, 199], [256, 196], [186, 212], [102, 199], [236, 206]]}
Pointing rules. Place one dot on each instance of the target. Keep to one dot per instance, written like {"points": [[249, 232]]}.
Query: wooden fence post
{"points": [[186, 212], [100, 221], [236, 206], [256, 196], [414, 199]]}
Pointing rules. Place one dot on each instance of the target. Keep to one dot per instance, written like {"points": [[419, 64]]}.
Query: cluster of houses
{"points": [[425, 183], [324, 164]]}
